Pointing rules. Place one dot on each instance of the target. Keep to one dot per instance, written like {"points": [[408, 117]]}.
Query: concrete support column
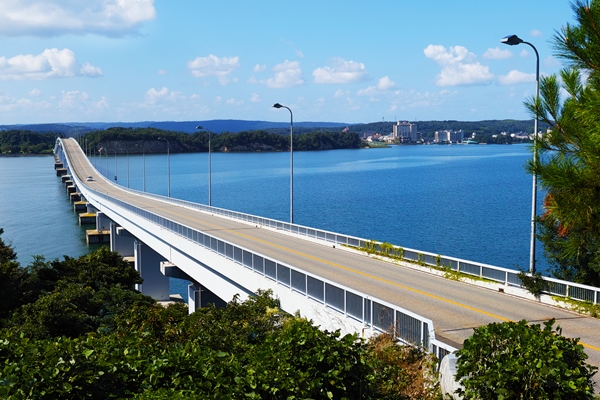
{"points": [[147, 263], [121, 241], [199, 296], [102, 222]]}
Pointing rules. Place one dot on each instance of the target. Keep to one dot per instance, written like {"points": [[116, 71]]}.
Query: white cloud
{"points": [[71, 98], [458, 66], [497, 54], [259, 67], [383, 85], [341, 71], [516, 77], [255, 98], [536, 33], [59, 17], [339, 93], [163, 94], [287, 74], [234, 102], [35, 92], [51, 63], [214, 66]]}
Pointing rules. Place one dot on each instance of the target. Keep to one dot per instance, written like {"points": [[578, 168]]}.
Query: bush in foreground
{"points": [[514, 360]]}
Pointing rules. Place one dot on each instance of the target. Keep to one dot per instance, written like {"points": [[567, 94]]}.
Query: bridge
{"points": [[322, 275]]}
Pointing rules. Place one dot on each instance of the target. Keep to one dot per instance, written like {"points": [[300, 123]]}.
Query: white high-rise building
{"points": [[404, 131], [449, 136]]}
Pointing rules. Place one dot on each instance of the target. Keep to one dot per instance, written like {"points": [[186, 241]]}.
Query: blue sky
{"points": [[330, 60]]}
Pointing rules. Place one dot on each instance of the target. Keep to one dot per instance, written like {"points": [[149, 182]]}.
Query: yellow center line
{"points": [[357, 272], [370, 276]]}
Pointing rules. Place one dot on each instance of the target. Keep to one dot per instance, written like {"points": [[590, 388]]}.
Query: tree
{"points": [[514, 360], [568, 156]]}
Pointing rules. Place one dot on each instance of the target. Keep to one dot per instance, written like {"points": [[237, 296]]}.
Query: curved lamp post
{"points": [[513, 40], [277, 105], [209, 171], [168, 166], [144, 160]]}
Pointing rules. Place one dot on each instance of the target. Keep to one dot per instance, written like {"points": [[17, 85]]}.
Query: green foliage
{"points": [[535, 283], [17, 142], [76, 329], [138, 140], [400, 372], [568, 165], [514, 360]]}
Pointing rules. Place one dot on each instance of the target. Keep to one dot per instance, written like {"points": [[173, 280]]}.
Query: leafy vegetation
{"points": [[568, 165], [18, 142], [77, 329], [514, 360], [152, 140]]}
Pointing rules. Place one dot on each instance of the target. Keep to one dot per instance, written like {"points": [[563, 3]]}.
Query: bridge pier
{"points": [[200, 296], [147, 263], [145, 260], [121, 241]]}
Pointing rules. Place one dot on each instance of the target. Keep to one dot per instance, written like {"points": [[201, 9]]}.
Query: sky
{"points": [[349, 61]]}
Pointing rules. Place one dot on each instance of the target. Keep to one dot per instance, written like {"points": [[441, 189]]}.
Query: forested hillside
{"points": [[17, 142]]}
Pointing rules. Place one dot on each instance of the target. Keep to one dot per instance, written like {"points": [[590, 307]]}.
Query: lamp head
{"points": [[511, 40], [199, 127], [277, 105]]}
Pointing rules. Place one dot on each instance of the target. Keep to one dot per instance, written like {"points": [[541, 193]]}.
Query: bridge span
{"points": [[224, 253]]}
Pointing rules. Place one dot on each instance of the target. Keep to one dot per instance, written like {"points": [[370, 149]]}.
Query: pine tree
{"points": [[568, 163]]}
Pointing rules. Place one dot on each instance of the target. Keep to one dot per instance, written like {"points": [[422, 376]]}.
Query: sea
{"points": [[467, 201]]}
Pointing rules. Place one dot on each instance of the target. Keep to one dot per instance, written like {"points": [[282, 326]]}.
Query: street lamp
{"points": [[115, 165], [168, 166], [209, 171], [127, 151], [277, 105], [144, 160], [513, 40]]}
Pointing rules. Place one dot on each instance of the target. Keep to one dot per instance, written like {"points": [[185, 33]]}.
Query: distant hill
{"points": [[427, 128], [215, 125]]}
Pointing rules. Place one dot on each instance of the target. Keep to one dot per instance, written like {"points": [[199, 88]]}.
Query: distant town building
{"points": [[404, 131], [449, 136]]}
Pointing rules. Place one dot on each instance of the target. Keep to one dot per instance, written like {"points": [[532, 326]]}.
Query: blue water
{"points": [[467, 201]]}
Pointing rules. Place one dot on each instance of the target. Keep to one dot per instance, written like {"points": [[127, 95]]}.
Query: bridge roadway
{"points": [[454, 307]]}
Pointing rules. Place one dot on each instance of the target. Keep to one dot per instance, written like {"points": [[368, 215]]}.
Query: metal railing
{"points": [[506, 276], [494, 273]]}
